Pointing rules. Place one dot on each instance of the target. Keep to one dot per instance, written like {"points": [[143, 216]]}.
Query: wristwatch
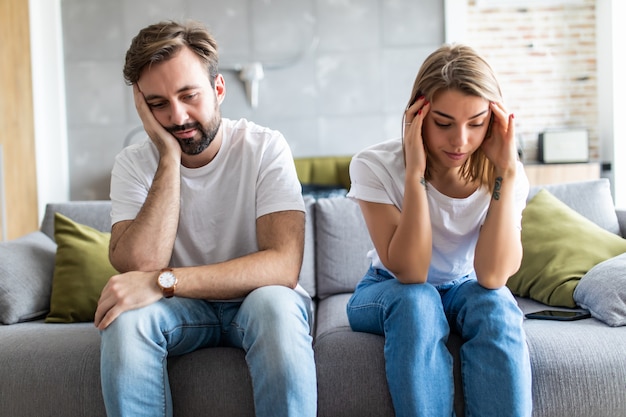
{"points": [[167, 282]]}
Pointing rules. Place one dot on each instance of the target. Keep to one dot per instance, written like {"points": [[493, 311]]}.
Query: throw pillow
{"points": [[26, 267], [81, 270], [560, 246], [602, 291]]}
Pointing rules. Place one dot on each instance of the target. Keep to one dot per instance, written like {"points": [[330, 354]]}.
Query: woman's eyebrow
{"points": [[447, 116]]}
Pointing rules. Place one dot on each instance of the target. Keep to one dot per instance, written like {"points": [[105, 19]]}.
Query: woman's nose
{"points": [[460, 137]]}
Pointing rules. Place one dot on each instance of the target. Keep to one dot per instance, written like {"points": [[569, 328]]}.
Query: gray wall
{"points": [[338, 73]]}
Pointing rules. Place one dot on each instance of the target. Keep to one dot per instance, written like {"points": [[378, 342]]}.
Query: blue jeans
{"points": [[270, 324], [416, 320]]}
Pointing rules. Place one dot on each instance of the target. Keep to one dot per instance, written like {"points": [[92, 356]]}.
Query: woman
{"points": [[443, 208]]}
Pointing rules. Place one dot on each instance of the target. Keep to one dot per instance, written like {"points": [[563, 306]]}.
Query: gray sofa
{"points": [[579, 368]]}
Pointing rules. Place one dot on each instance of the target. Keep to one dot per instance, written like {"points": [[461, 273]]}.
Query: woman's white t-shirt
{"points": [[253, 174], [377, 174]]}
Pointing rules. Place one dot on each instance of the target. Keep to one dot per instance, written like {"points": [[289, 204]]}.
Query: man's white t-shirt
{"points": [[253, 174], [377, 174]]}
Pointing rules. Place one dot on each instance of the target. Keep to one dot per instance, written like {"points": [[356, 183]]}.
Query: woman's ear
{"points": [[489, 126]]}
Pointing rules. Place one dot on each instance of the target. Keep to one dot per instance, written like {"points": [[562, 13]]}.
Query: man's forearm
{"points": [[145, 243], [277, 262]]}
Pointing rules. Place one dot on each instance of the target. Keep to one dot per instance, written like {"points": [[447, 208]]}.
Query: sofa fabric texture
{"points": [[579, 367]]}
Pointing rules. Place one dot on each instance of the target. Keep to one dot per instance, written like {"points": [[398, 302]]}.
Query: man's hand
{"points": [[165, 142], [125, 292]]}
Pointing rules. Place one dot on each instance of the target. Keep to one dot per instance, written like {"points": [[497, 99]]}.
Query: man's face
{"points": [[180, 95]]}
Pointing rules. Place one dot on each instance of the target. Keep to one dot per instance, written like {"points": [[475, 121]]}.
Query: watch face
{"points": [[167, 279]]}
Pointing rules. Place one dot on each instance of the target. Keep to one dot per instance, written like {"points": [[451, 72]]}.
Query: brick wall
{"points": [[545, 58]]}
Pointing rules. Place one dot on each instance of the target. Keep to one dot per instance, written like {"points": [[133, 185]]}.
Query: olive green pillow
{"points": [[81, 270], [560, 246]]}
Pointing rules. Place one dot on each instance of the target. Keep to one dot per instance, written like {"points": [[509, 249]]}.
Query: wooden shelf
{"points": [[543, 174]]}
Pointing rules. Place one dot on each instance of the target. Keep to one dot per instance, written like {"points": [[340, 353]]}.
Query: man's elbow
{"points": [[129, 261], [291, 270]]}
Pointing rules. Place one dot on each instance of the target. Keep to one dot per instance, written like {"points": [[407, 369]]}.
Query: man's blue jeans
{"points": [[270, 324], [416, 320]]}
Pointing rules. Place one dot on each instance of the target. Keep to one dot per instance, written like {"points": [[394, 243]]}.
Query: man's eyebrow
{"points": [[180, 90], [447, 116]]}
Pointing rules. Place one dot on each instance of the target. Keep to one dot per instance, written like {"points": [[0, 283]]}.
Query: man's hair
{"points": [[162, 41], [459, 67]]}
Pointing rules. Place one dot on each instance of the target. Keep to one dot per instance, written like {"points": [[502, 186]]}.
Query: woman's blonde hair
{"points": [[459, 67]]}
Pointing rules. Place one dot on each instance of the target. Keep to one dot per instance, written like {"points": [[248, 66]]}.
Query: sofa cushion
{"points": [[592, 199], [602, 291], [341, 244], [26, 267], [307, 271], [330, 171], [560, 246], [82, 268], [96, 214], [578, 368], [54, 370]]}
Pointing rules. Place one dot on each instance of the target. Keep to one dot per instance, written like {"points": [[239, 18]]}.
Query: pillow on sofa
{"points": [[26, 267], [602, 291], [560, 246], [82, 268]]}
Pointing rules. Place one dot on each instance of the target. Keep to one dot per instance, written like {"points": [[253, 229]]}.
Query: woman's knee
{"points": [[491, 312], [497, 301], [417, 306]]}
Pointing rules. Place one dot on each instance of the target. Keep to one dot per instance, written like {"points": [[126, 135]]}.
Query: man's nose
{"points": [[178, 115]]}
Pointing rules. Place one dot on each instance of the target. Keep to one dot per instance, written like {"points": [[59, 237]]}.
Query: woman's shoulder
{"points": [[382, 152]]}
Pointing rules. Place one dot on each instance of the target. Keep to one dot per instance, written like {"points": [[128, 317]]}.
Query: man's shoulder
{"points": [[142, 152], [245, 126], [243, 135]]}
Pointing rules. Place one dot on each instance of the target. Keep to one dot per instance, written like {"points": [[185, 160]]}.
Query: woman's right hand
{"points": [[165, 142], [414, 150]]}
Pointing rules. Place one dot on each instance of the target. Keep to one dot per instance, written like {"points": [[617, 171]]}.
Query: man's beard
{"points": [[193, 146]]}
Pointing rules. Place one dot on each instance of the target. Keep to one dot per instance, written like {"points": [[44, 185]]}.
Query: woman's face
{"points": [[455, 127]]}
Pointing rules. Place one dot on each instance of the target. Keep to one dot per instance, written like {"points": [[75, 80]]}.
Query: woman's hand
{"points": [[165, 142], [414, 150], [500, 147]]}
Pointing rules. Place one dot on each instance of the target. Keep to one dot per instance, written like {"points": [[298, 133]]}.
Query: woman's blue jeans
{"points": [[416, 320], [270, 324]]}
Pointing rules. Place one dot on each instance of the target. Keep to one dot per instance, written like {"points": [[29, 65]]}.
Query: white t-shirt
{"points": [[253, 174], [377, 174]]}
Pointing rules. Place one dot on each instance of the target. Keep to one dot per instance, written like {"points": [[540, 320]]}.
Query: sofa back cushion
{"points": [[341, 245], [307, 272], [96, 214], [590, 198]]}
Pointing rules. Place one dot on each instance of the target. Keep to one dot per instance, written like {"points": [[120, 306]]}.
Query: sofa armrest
{"points": [[621, 218]]}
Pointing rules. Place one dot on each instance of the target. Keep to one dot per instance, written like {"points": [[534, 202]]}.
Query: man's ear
{"points": [[220, 88]]}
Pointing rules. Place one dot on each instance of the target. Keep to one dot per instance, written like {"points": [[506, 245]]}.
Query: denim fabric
{"points": [[416, 320], [270, 324]]}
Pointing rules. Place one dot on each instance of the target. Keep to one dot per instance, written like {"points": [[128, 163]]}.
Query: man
{"points": [[208, 234]]}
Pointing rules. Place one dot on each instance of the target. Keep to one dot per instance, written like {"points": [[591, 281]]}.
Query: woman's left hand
{"points": [[500, 147]]}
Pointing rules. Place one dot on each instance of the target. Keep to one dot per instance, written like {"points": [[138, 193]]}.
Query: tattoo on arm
{"points": [[423, 181], [496, 188]]}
